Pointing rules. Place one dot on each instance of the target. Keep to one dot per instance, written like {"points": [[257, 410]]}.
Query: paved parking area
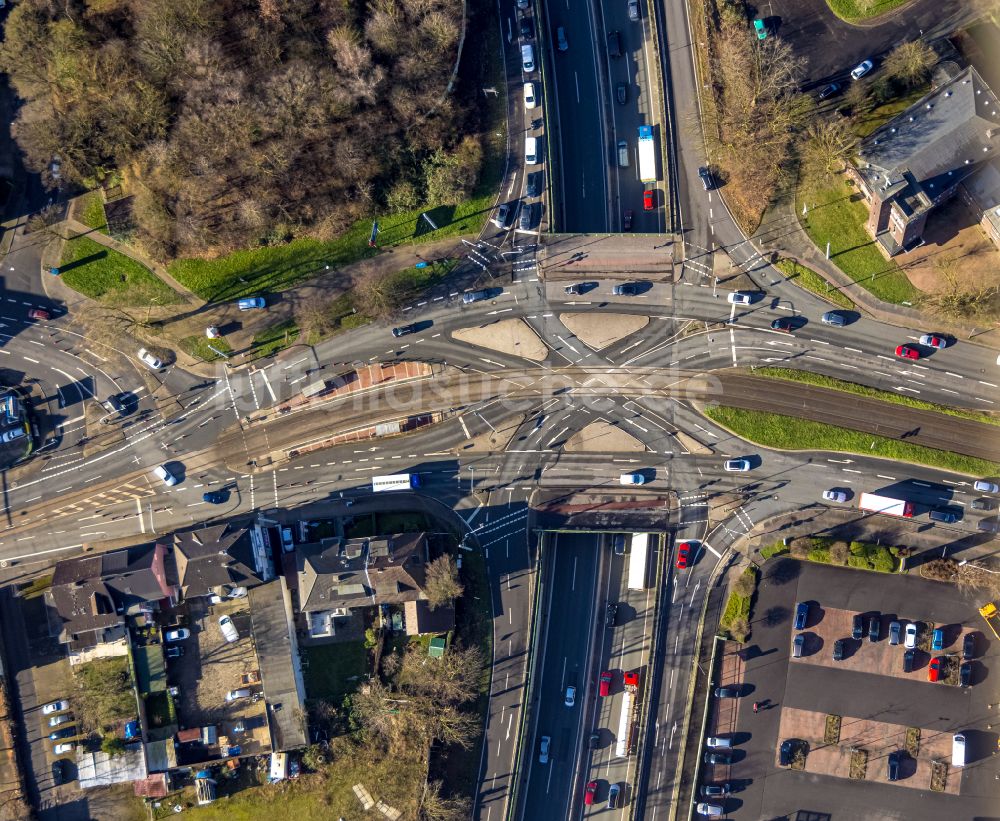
{"points": [[797, 697]]}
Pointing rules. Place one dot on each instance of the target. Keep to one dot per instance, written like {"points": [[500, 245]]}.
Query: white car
{"points": [[179, 634], [739, 298], [11, 435], [62, 718], [737, 465], [55, 707], [933, 341], [570, 696], [861, 69], [986, 487], [711, 810], [149, 360], [529, 95], [162, 473], [63, 749], [229, 631], [631, 479], [835, 495], [910, 636], [543, 750]]}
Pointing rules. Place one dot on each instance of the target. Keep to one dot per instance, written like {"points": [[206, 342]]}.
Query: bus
{"points": [[637, 561], [398, 481]]}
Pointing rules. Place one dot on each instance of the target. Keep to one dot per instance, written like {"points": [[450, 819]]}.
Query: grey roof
{"points": [[934, 143], [213, 557], [99, 769]]}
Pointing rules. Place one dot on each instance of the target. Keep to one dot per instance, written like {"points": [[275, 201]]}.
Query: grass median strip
{"points": [[111, 277], [799, 274], [818, 379], [790, 433]]}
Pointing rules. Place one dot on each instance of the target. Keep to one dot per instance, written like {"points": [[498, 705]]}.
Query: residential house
{"points": [[920, 159], [419, 619], [215, 559], [336, 576]]}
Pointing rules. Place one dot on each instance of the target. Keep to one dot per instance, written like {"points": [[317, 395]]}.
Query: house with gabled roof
{"points": [[212, 559]]}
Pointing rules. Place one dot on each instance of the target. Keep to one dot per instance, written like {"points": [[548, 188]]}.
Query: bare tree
{"points": [[744, 585], [826, 146], [436, 807], [910, 62], [442, 585]]}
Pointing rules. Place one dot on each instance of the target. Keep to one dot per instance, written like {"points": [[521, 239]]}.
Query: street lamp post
{"points": [[472, 478]]}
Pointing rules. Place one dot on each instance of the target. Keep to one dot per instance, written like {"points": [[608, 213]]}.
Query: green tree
{"points": [[113, 745], [452, 176]]}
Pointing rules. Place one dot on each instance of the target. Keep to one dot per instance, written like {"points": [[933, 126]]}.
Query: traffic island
{"points": [[603, 437], [510, 336], [598, 331]]}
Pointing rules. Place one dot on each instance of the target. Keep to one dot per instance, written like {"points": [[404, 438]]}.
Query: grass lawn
{"points": [[810, 280], [113, 278], [402, 522], [334, 670], [776, 549], [198, 346], [90, 211], [855, 10], [862, 390], [881, 114], [274, 338], [788, 433], [835, 217]]}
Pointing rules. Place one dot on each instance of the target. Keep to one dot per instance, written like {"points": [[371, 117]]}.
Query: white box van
{"points": [[958, 750], [623, 153], [531, 150], [528, 58]]}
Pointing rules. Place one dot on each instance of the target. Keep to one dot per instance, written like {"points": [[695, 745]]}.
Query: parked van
{"points": [[528, 58], [279, 767], [718, 742], [958, 750], [229, 631], [243, 692], [531, 150], [623, 153]]}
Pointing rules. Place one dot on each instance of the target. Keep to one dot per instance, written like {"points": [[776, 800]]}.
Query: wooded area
{"points": [[237, 123]]}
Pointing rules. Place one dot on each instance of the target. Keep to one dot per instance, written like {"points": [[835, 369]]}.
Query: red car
{"points": [[38, 313], [590, 794], [648, 200], [683, 555], [627, 221], [934, 671], [906, 352], [604, 686]]}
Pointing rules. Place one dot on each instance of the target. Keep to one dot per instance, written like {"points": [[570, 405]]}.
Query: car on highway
{"points": [[543, 749], [561, 42], [570, 699], [947, 517], [627, 220], [834, 495], [165, 475], [965, 674], [709, 810], [801, 615], [782, 323], [728, 692], [838, 650], [631, 479], [404, 330], [935, 668], [39, 314], [933, 341], [62, 718], [604, 683], [829, 91], [717, 757], [590, 793], [648, 200], [715, 790], [760, 28], [149, 360], [684, 555], [984, 486], [861, 69], [614, 44], [611, 614], [937, 639], [621, 93], [895, 631], [633, 10], [527, 219], [214, 497], [476, 296], [614, 794], [858, 627], [910, 636], [177, 634], [625, 289], [835, 318], [909, 657], [64, 748], [529, 95], [55, 707], [906, 352], [874, 628], [504, 217], [893, 764], [527, 28], [969, 646], [797, 646], [739, 298], [736, 465]]}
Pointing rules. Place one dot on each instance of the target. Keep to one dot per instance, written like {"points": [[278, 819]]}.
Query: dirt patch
{"points": [[510, 336], [597, 331], [831, 734], [603, 437]]}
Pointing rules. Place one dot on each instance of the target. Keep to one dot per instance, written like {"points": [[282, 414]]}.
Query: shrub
{"points": [[859, 562], [839, 553], [858, 548], [800, 547], [819, 554], [882, 560]]}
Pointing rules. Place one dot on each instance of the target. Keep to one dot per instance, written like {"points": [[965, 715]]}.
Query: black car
{"points": [[115, 400], [786, 752], [59, 771], [982, 504], [621, 93], [715, 790], [801, 615], [782, 323], [858, 627], [829, 91], [614, 44], [969, 646], [908, 658], [594, 740], [626, 289], [894, 758], [611, 614], [174, 651], [874, 628], [727, 692], [403, 330], [716, 757], [627, 221], [838, 650], [534, 187], [706, 177], [214, 497], [527, 28], [965, 674]]}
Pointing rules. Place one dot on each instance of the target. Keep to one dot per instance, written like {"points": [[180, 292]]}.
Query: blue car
{"points": [[801, 615], [214, 497], [937, 642]]}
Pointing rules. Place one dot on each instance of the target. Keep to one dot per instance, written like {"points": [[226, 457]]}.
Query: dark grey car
{"points": [[834, 318], [527, 219]]}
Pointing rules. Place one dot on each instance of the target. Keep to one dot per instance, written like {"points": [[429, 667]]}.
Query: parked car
{"points": [[683, 555], [833, 495], [594, 740], [717, 757], [801, 615], [543, 749], [534, 186], [625, 289], [590, 793], [895, 631], [706, 178], [786, 752], [527, 219], [965, 674], [55, 707], [737, 465], [64, 748], [947, 517], [858, 627], [739, 298], [834, 318], [760, 29], [829, 90], [988, 526], [611, 614], [604, 684], [178, 634], [933, 341], [59, 771], [968, 646], [570, 699], [242, 692], [709, 810], [861, 69], [39, 314], [62, 718], [527, 28], [527, 58], [648, 200], [982, 504], [165, 475], [149, 360], [229, 631], [251, 303], [621, 93], [838, 650], [910, 636], [984, 486], [797, 644], [893, 764], [504, 216], [715, 790], [874, 628], [935, 669], [906, 352], [65, 732], [633, 10], [937, 639], [909, 657], [529, 95], [718, 742], [727, 692]]}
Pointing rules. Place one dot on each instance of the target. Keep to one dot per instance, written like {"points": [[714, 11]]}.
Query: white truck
{"points": [[637, 561], [886, 504], [647, 154]]}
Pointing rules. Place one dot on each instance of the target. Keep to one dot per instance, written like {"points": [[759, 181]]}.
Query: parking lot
{"points": [[880, 708]]}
